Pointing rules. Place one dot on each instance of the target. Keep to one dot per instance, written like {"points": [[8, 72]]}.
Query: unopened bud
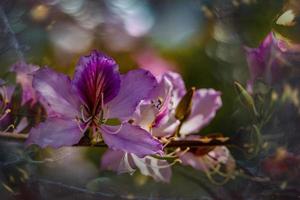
{"points": [[184, 107]]}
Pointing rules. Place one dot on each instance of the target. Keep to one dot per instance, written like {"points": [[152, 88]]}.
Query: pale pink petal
{"points": [[205, 104]]}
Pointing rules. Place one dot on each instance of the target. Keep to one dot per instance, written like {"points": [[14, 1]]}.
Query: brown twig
{"points": [[172, 144], [13, 136]]}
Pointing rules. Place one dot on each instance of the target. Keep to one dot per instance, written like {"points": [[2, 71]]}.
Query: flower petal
{"points": [[96, 78], [24, 75], [122, 162], [268, 60], [194, 161], [55, 132], [117, 161], [136, 85], [206, 102], [158, 169], [56, 90], [131, 139]]}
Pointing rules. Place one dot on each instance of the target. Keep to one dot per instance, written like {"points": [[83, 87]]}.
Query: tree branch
{"points": [[172, 144]]}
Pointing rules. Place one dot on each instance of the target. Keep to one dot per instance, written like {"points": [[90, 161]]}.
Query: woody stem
{"points": [[172, 144]]}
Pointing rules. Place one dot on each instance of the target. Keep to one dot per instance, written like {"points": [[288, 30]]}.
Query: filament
{"points": [[112, 132]]}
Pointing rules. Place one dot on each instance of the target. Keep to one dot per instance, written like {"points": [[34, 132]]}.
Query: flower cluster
{"points": [[137, 115]]}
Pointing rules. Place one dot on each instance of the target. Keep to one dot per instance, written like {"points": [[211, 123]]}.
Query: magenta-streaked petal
{"points": [[122, 162], [56, 91], [177, 82], [55, 132], [144, 115], [24, 75], [158, 169], [97, 78], [131, 139], [205, 102], [167, 128], [136, 85]]}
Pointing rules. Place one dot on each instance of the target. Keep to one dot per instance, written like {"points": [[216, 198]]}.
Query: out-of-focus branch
{"points": [[13, 136]]}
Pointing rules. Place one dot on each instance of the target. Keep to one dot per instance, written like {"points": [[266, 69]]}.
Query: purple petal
{"points": [[131, 139], [97, 78], [136, 85], [194, 161], [177, 82], [117, 161], [55, 132], [56, 90], [24, 75], [267, 61], [206, 102], [110, 160]]}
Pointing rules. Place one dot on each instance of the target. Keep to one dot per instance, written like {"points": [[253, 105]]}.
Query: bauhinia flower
{"points": [[24, 74], [159, 113], [96, 96], [158, 116], [267, 62]]}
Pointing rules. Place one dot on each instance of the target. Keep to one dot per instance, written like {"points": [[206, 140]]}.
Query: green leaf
{"points": [[113, 122]]}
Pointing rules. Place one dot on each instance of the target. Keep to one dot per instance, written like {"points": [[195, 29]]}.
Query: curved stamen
{"points": [[9, 127], [7, 111], [83, 130], [156, 167], [85, 120], [112, 132]]}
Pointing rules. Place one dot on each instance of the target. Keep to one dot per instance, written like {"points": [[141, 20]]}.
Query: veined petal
{"points": [[160, 170], [179, 89], [122, 162], [131, 139], [97, 78], [55, 132], [56, 90], [24, 75], [206, 102], [136, 85]]}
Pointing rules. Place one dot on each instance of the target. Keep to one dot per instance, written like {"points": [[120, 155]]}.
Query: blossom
{"points": [[24, 74], [267, 62], [165, 99], [157, 115], [96, 94]]}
